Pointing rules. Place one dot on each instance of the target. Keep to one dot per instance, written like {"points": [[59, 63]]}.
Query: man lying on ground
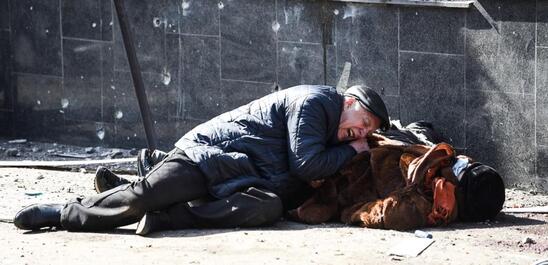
{"points": [[257, 158]]}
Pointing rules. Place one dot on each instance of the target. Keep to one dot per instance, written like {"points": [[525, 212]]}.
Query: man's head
{"points": [[363, 113], [480, 193]]}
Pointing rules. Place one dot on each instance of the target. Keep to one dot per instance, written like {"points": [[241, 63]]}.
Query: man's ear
{"points": [[348, 101]]}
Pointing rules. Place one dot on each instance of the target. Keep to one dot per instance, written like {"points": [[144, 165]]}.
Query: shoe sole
{"points": [[143, 227], [141, 160], [96, 185]]}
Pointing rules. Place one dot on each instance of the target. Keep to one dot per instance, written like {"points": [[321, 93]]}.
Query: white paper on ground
{"points": [[411, 247]]}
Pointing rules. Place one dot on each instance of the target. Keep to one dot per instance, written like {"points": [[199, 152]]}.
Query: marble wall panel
{"points": [[299, 20], [148, 23], [87, 19], [432, 89], [6, 93], [300, 64], [200, 17], [542, 23], [82, 98], [500, 133], [248, 41], [439, 30], [39, 111], [367, 37], [542, 166], [238, 93], [4, 15], [501, 60], [36, 37], [542, 96], [200, 77]]}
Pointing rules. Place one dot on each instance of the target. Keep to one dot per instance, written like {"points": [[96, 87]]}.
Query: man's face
{"points": [[356, 122]]}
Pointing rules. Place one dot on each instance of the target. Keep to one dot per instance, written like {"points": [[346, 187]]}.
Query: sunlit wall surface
{"points": [[64, 73]]}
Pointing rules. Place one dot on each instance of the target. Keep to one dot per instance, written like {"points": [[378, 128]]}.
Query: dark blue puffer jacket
{"points": [[278, 142]]}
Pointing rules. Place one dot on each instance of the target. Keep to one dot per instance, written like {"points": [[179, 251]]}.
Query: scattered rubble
{"points": [[24, 149], [18, 141], [528, 240], [90, 150], [36, 149], [12, 152]]}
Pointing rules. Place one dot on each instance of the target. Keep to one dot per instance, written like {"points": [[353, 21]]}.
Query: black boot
{"points": [[38, 216], [147, 159], [106, 180], [153, 222]]}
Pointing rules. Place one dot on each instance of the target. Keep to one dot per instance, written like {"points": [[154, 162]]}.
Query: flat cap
{"points": [[372, 102]]}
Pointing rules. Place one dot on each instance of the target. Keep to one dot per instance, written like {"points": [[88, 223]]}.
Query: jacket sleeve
{"points": [[309, 156]]}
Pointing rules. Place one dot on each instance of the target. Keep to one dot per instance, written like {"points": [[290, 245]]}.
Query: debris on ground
{"points": [[410, 247], [512, 238], [18, 141], [12, 152], [24, 149], [89, 150]]}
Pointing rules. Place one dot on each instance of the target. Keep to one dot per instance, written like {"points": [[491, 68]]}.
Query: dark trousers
{"points": [[168, 188]]}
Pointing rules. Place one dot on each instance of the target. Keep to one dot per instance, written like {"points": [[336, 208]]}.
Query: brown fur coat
{"points": [[391, 187]]}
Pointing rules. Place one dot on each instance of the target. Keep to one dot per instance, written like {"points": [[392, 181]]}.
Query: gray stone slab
{"points": [[432, 89], [36, 37], [107, 19], [367, 37], [6, 95], [89, 133], [502, 62], [299, 64], [393, 106], [172, 76], [121, 104], [87, 19], [248, 41], [299, 20], [542, 166], [125, 112], [130, 134], [432, 30], [6, 117], [542, 23], [38, 111], [146, 19], [201, 17], [238, 93], [83, 80], [542, 96], [38, 93], [200, 77], [172, 13], [107, 84], [500, 133], [4, 15], [168, 133], [126, 108], [333, 75]]}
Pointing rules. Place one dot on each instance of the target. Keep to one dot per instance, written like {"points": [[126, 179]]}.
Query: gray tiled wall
{"points": [[64, 74]]}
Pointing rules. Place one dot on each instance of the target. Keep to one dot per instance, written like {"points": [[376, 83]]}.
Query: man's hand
{"points": [[316, 183], [360, 145]]}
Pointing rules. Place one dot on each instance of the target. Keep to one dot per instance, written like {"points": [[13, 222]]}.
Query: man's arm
{"points": [[309, 156]]}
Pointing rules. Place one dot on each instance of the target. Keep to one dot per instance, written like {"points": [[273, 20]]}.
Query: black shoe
{"points": [[153, 222], [146, 160], [106, 180], [38, 216]]}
